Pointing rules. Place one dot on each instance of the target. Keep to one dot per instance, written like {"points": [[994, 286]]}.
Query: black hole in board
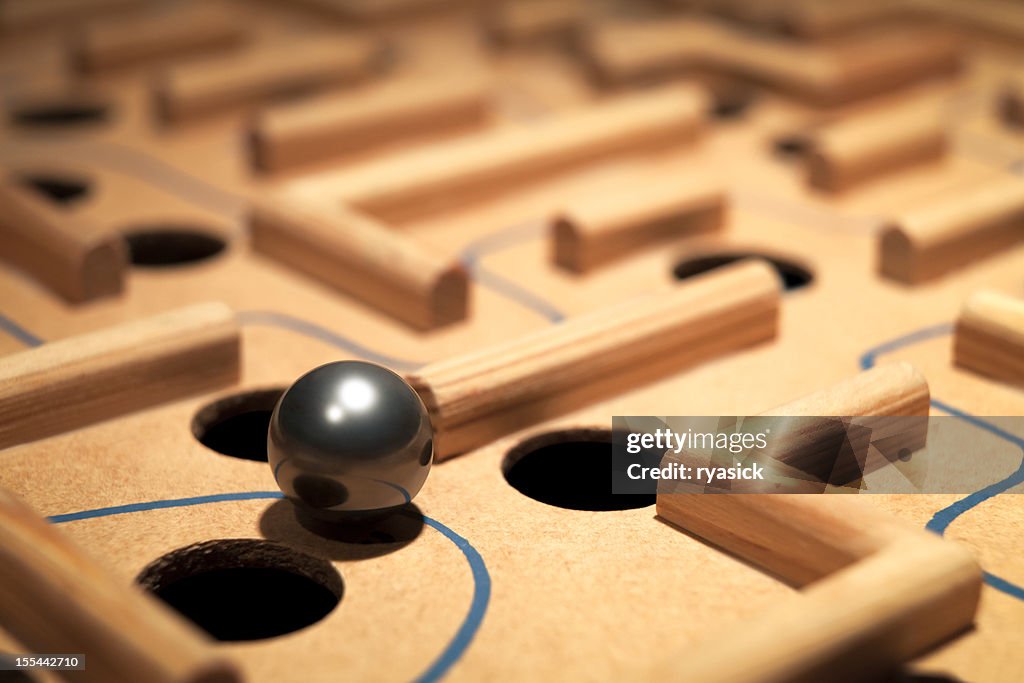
{"points": [[732, 103], [240, 590], [14, 675], [58, 189], [60, 114], [161, 247], [237, 425], [571, 470], [791, 145], [794, 276]]}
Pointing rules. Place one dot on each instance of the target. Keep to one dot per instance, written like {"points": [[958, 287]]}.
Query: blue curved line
{"points": [[452, 652], [870, 357], [290, 322], [18, 332], [472, 257], [132, 162], [162, 505], [941, 520], [477, 606], [511, 290]]}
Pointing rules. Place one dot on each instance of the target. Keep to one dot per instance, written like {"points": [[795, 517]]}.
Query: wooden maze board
{"points": [[498, 585]]}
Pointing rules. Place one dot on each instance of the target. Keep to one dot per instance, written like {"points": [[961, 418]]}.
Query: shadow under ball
{"points": [[350, 441]]}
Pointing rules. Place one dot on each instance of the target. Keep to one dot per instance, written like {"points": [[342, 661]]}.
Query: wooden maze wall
{"points": [[407, 182]]}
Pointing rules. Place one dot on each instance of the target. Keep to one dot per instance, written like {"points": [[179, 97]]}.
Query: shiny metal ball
{"points": [[350, 440]]}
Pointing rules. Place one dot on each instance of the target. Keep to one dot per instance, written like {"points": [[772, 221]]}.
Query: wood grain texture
{"points": [[457, 173], [55, 599], [27, 14], [263, 73], [989, 336], [996, 17], [805, 18], [370, 11], [891, 403], [519, 22], [363, 258], [862, 148], [80, 380], [880, 592], [826, 545], [857, 67], [402, 111], [894, 389], [598, 230], [953, 231], [476, 398], [141, 38], [57, 248]]}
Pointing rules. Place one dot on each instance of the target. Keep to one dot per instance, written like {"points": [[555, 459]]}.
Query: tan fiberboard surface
{"points": [[578, 595]]}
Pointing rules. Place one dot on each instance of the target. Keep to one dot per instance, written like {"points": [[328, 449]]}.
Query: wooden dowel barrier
{"points": [[288, 135], [1011, 103], [138, 39], [369, 11], [263, 73], [866, 147], [814, 19], [476, 398], [994, 17], [18, 15], [884, 392], [54, 599], [598, 230], [361, 257], [80, 380], [459, 172], [989, 336], [518, 22], [879, 592], [952, 231], [895, 389], [891, 403], [58, 248], [884, 60]]}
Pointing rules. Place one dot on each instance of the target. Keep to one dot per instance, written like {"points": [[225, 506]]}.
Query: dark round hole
{"points": [[237, 425], [732, 103], [571, 470], [791, 145], [171, 246], [794, 276], [60, 114], [12, 675], [58, 189], [243, 589]]}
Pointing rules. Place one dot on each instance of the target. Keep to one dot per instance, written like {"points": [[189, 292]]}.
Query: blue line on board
{"points": [[455, 648], [477, 607], [941, 520], [162, 505], [305, 327], [473, 254], [18, 332]]}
